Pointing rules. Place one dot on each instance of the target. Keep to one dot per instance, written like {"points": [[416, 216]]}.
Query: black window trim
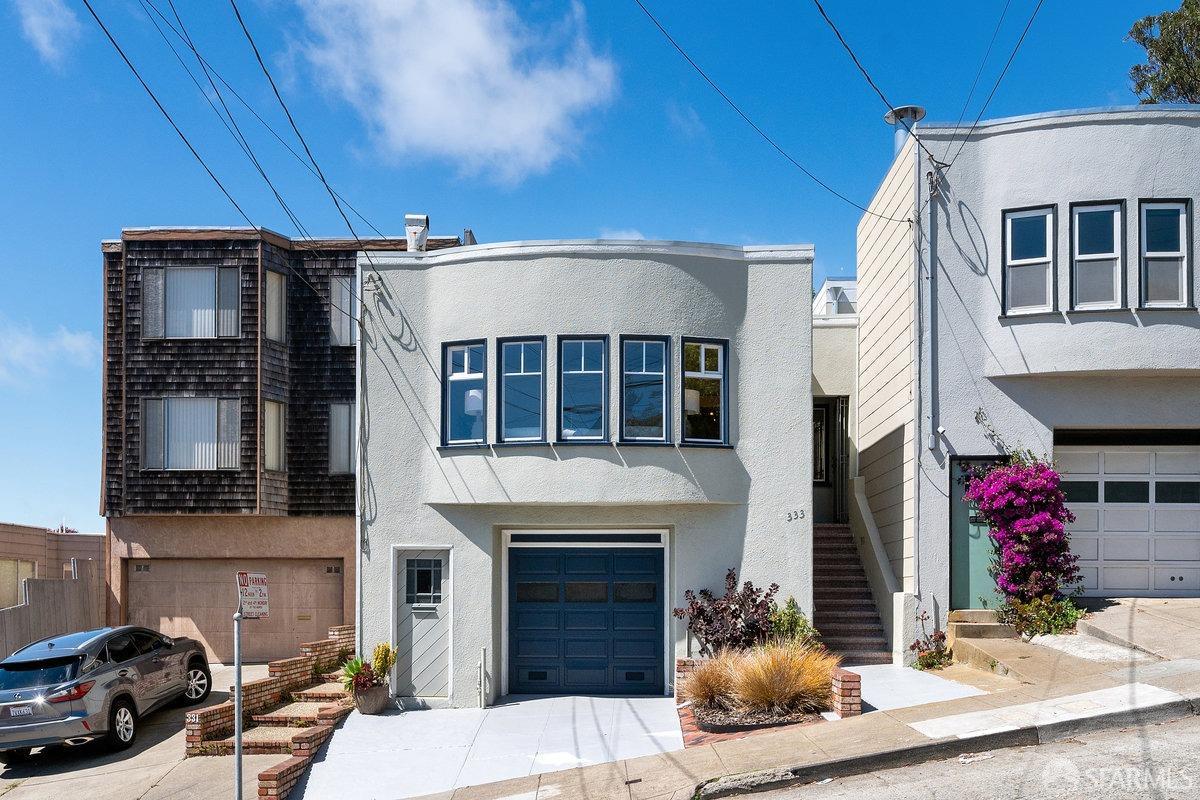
{"points": [[1004, 212], [684, 341], [605, 438], [1122, 255], [668, 436], [500, 342], [445, 372], [1189, 253]]}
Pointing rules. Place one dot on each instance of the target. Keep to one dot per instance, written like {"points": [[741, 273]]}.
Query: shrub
{"points": [[788, 624], [710, 685], [931, 649], [383, 659], [740, 619], [784, 678], [1045, 614], [358, 675]]}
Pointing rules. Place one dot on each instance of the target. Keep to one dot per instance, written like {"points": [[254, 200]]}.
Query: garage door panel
{"points": [[1182, 520], [584, 648], [585, 562], [1177, 579], [586, 621], [1178, 463], [1086, 519], [1078, 463], [1126, 549], [1120, 462], [1173, 549], [1089, 578], [1129, 578], [1086, 547], [1117, 520]]}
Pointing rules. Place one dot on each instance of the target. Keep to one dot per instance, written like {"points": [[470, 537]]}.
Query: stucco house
{"points": [[1038, 270], [559, 438]]}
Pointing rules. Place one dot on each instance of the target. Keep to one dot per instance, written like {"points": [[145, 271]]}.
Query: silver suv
{"points": [[94, 684]]}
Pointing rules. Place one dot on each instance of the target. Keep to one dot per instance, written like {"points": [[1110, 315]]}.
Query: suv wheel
{"points": [[122, 724], [198, 683]]}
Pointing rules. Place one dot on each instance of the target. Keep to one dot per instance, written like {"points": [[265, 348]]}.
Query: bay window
{"points": [[1029, 261], [190, 433], [464, 393], [190, 302], [582, 389], [1165, 250], [522, 388], [705, 394], [644, 389], [1096, 254]]}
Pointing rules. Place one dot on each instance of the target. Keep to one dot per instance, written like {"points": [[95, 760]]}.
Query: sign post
{"points": [[252, 604]]}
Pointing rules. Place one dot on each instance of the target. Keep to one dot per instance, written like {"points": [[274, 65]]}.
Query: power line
{"points": [[700, 71], [979, 72], [869, 79], [999, 78]]}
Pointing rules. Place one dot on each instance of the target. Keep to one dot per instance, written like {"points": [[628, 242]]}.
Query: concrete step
{"points": [[836, 624], [848, 604], [844, 568], [973, 615], [1026, 662], [839, 559], [845, 590], [321, 693], [864, 641], [836, 630], [292, 715], [264, 739], [854, 657], [842, 614], [979, 630], [842, 580]]}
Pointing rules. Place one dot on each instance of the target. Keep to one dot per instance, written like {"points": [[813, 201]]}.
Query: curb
{"points": [[782, 777], [1085, 627]]}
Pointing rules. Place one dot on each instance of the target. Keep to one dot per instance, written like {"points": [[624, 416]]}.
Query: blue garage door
{"points": [[585, 621]]}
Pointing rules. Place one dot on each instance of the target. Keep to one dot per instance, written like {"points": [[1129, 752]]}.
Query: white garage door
{"points": [[1137, 528], [197, 597]]}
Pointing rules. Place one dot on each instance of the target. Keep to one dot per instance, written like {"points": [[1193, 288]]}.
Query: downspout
{"points": [[918, 339], [359, 529]]}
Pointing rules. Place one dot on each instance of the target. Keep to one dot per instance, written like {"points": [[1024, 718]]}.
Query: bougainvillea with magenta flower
{"points": [[1027, 516]]}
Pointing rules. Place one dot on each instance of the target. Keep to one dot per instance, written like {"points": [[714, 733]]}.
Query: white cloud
{"points": [[685, 119], [621, 233], [26, 354], [466, 80], [49, 26]]}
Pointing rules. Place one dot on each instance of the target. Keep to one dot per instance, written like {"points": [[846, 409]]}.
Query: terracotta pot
{"points": [[373, 700]]}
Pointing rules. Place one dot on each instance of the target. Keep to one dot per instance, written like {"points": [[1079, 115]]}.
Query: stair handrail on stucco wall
{"points": [[897, 608], [882, 564]]}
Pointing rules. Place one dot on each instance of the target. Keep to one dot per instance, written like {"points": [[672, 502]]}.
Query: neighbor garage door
{"points": [[1137, 527], [585, 620], [198, 597]]}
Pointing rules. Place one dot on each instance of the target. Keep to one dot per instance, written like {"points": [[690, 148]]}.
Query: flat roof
{"points": [[1149, 109], [222, 232], [631, 247]]}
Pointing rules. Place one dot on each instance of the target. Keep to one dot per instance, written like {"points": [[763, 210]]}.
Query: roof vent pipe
{"points": [[901, 119], [416, 228]]}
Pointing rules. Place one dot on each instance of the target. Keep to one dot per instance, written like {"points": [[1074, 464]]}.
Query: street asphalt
{"points": [[1155, 761]]}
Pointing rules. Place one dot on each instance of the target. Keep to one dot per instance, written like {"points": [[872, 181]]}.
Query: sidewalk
{"points": [[1028, 714]]}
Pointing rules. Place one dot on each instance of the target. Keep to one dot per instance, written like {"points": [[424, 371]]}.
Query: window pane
{"points": [[191, 297], [343, 329], [475, 359], [152, 303], [340, 454], [534, 592], [639, 592], [1081, 491], [1095, 281], [712, 359], [228, 300], [819, 437], [191, 433], [1027, 237], [229, 441], [1177, 492], [1096, 232], [593, 355], [152, 433], [458, 361], [572, 355], [582, 405], [522, 406], [533, 357], [464, 410], [633, 357], [1162, 280], [1126, 492], [1162, 230], [644, 407], [691, 357], [273, 444], [1027, 286], [586, 592], [275, 306], [511, 356], [702, 409]]}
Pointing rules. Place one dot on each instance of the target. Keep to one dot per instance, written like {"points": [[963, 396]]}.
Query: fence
{"points": [[52, 607]]}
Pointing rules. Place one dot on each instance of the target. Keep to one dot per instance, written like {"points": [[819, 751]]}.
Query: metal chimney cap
{"points": [[914, 113]]}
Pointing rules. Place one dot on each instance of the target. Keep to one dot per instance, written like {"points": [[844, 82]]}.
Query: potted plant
{"points": [[367, 681]]}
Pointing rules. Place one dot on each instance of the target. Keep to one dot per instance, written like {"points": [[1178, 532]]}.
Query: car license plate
{"points": [[20, 711]]}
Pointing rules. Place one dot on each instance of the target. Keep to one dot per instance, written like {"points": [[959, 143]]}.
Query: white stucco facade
{"points": [[746, 505], [1125, 369]]}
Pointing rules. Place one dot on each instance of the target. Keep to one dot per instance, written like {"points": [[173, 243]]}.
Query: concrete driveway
{"points": [[1165, 627], [408, 754], [153, 769]]}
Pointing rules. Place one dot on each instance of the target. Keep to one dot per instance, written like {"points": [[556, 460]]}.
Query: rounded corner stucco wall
{"points": [[747, 507], [1121, 369]]}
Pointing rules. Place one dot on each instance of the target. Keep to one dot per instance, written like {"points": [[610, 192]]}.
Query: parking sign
{"points": [[252, 592]]}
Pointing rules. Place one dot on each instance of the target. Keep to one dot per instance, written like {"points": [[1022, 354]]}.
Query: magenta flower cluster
{"points": [[1027, 515]]}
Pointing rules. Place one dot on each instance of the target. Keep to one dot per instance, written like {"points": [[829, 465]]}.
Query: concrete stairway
{"points": [[844, 610]]}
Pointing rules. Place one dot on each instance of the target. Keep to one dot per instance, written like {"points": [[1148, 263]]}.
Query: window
{"points": [[190, 302], [582, 389], [820, 451], [1096, 252], [190, 433], [644, 390], [423, 586], [341, 438], [147, 642], [1164, 261], [464, 393], [275, 309], [121, 648], [343, 311], [522, 390], [704, 391], [274, 435], [1029, 261]]}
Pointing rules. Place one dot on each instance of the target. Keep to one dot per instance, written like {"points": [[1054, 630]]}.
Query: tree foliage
{"points": [[1171, 40]]}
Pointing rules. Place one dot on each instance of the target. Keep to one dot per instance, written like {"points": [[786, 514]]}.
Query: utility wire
{"points": [[979, 72], [871, 81], [713, 84]]}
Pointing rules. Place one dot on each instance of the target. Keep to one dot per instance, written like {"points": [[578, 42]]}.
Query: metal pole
{"points": [[237, 702]]}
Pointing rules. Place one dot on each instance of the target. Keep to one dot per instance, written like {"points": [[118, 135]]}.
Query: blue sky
{"points": [[519, 120]]}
